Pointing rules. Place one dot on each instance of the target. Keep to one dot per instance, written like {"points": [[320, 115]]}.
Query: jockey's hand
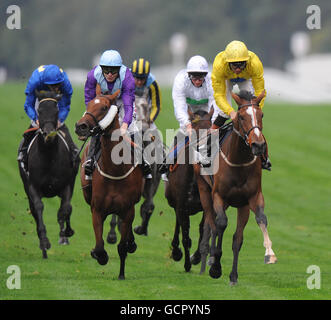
{"points": [[233, 114], [123, 128], [59, 124]]}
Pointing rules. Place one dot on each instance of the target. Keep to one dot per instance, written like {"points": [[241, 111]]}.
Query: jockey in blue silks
{"points": [[46, 78]]}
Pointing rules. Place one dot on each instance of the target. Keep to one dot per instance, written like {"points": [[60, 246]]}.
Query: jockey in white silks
{"points": [[192, 89]]}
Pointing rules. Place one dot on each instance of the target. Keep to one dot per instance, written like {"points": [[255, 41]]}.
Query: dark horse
{"points": [[151, 185], [182, 193], [237, 183], [51, 171], [115, 187]]}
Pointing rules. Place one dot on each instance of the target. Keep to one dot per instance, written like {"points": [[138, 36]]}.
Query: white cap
{"points": [[197, 64]]}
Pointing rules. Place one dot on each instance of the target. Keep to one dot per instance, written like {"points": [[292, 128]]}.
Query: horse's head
{"points": [[248, 122], [200, 119], [99, 116], [143, 111], [48, 112]]}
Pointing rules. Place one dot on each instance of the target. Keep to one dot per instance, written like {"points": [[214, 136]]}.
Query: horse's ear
{"points": [[39, 94], [113, 96], [190, 113], [236, 98], [260, 97], [98, 89]]}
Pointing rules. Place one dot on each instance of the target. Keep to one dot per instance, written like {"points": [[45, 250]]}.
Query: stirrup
{"points": [[266, 164]]}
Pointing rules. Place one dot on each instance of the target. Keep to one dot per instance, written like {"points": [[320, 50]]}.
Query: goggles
{"points": [[112, 70], [240, 64], [197, 75]]}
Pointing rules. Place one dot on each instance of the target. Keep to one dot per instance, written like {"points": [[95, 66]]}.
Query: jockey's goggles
{"points": [[197, 75], [112, 70], [240, 64]]}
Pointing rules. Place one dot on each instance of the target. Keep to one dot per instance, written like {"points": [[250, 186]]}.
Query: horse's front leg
{"points": [[196, 256], [98, 253], [257, 205], [221, 223], [184, 221], [123, 247], [63, 216], [176, 252], [237, 240], [37, 207]]}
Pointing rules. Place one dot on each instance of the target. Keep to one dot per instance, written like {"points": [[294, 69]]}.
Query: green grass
{"points": [[298, 207]]}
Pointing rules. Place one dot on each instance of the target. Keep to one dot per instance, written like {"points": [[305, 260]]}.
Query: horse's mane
{"points": [[246, 95]]}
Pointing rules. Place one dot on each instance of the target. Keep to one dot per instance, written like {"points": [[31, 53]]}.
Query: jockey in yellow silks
{"points": [[236, 65]]}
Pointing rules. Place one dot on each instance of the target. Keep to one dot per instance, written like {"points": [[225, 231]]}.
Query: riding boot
{"points": [[206, 152], [74, 151], [164, 170], [89, 163], [266, 164], [22, 157], [146, 168]]}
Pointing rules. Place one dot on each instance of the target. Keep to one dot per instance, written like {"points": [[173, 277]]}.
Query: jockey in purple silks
{"points": [[111, 75]]}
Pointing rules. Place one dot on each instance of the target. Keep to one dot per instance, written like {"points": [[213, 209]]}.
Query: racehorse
{"points": [[143, 110], [116, 186], [182, 193], [50, 171], [237, 183]]}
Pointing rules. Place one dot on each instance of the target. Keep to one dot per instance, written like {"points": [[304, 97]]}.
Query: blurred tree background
{"points": [[71, 32]]}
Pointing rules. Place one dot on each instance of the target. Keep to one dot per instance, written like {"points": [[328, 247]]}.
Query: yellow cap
{"points": [[236, 51]]}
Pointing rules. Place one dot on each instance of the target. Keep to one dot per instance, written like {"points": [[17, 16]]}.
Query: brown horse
{"points": [[115, 187], [237, 183], [182, 194]]}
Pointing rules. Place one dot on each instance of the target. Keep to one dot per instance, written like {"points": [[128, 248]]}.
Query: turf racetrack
{"points": [[298, 207]]}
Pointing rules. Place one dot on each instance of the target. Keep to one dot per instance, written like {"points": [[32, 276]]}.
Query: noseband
{"points": [[246, 136]]}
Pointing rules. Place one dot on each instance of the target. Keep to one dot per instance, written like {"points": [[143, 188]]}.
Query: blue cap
{"points": [[53, 74], [111, 58]]}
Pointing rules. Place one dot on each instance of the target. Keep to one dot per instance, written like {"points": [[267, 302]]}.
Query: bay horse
{"points": [[150, 132], [50, 170], [115, 187], [237, 183], [182, 193]]}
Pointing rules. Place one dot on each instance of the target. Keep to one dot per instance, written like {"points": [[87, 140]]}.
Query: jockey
{"points": [[192, 89], [237, 65], [147, 88], [46, 78], [112, 75]]}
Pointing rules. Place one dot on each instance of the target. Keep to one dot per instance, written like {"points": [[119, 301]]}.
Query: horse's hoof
{"points": [[102, 257], [69, 233], [63, 241], [187, 267], [215, 271], [111, 238], [233, 283], [44, 254], [121, 277], [132, 247], [140, 230], [195, 258], [176, 254], [270, 259]]}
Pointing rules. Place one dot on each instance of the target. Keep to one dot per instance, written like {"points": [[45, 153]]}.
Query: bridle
{"points": [[246, 134]]}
